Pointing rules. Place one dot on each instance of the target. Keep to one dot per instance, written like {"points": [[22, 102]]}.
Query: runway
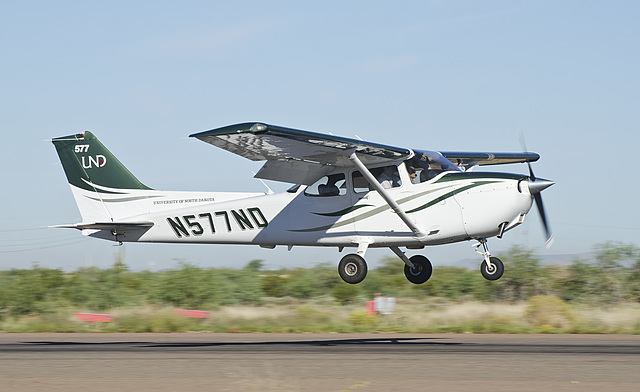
{"points": [[318, 362]]}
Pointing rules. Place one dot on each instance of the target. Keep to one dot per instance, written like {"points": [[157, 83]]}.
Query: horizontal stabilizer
{"points": [[118, 226]]}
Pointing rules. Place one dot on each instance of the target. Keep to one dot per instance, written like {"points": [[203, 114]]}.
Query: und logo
{"points": [[89, 162]]}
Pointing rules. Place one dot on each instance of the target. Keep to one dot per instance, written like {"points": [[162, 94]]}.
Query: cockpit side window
{"points": [[426, 165], [387, 176], [331, 185]]}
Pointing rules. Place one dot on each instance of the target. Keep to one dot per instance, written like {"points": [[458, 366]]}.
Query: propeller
{"points": [[537, 185]]}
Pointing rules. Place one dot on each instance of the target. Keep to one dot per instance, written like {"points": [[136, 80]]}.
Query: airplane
{"points": [[346, 193]]}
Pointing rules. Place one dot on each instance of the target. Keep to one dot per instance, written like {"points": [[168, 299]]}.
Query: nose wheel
{"points": [[491, 268]]}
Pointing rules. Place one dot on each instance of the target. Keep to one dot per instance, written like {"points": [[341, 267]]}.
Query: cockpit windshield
{"points": [[426, 165]]}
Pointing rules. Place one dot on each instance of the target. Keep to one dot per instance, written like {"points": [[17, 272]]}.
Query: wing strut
{"points": [[392, 203]]}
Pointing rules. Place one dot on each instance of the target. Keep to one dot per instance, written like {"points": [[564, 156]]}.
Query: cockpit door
{"points": [[322, 210], [373, 216]]}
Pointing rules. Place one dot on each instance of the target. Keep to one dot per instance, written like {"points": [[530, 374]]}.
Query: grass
{"points": [[543, 315]]}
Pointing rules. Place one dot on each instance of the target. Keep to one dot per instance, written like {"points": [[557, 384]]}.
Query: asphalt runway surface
{"points": [[318, 362]]}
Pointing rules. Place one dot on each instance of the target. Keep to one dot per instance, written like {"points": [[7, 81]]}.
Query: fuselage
{"points": [[451, 207]]}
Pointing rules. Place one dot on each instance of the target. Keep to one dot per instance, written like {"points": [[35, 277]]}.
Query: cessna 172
{"points": [[347, 193]]}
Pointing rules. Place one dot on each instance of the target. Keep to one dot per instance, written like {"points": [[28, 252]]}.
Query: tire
{"points": [[496, 272], [352, 268], [421, 272]]}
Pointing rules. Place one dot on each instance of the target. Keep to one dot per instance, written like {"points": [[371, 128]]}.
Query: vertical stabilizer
{"points": [[100, 183]]}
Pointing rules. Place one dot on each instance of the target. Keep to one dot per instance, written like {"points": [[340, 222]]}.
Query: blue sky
{"points": [[436, 75]]}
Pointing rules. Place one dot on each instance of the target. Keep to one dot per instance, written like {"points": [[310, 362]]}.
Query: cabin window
{"points": [[387, 176], [425, 166], [331, 185]]}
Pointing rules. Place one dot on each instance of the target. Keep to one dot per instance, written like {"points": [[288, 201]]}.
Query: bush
{"points": [[345, 293], [189, 287], [274, 285], [363, 319], [545, 310]]}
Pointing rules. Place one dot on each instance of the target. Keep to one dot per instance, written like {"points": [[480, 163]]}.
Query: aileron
{"points": [[469, 159]]}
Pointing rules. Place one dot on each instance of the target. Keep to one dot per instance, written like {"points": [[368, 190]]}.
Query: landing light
{"points": [[259, 127]]}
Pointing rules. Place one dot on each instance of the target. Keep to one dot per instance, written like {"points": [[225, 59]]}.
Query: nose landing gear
{"points": [[491, 268]]}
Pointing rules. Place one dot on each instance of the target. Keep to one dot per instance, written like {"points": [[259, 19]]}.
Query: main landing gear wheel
{"points": [[493, 271], [352, 268], [421, 271]]}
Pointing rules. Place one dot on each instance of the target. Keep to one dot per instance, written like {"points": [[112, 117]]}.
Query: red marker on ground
{"points": [[96, 317]]}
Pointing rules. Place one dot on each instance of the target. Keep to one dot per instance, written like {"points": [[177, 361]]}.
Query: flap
{"points": [[293, 171]]}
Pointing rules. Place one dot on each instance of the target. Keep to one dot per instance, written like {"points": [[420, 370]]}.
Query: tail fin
{"points": [[97, 178]]}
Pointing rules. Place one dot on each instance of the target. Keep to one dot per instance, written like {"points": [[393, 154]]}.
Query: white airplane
{"points": [[348, 193]]}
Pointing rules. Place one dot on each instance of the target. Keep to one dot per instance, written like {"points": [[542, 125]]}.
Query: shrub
{"points": [[345, 293], [546, 310], [189, 287], [274, 285], [363, 319]]}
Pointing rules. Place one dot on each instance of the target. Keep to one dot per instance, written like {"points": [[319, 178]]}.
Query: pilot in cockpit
{"points": [[421, 169], [389, 177], [412, 172]]}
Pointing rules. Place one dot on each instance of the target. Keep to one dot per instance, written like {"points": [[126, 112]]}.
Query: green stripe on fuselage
{"points": [[449, 194], [385, 207]]}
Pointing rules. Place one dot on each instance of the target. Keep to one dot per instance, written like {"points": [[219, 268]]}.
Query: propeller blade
{"points": [[543, 217], [524, 149], [537, 185], [531, 175]]}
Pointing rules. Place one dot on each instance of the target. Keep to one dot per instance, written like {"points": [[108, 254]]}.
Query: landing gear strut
{"points": [[491, 268]]}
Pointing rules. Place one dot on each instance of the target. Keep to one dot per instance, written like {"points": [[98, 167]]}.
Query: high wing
{"points": [[301, 157], [470, 159], [295, 156]]}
